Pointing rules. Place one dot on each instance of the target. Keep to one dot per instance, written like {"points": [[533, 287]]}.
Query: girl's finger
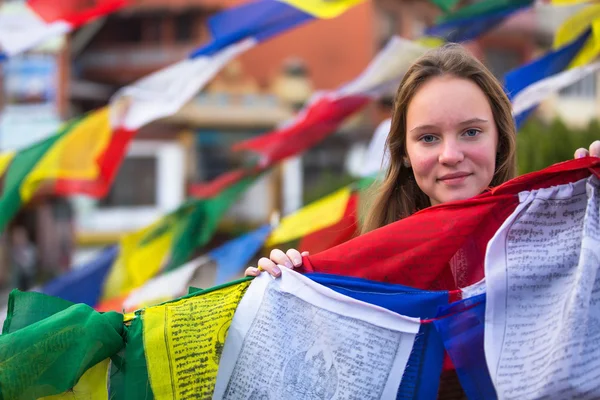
{"points": [[269, 266], [581, 152], [295, 256], [279, 257], [252, 271], [595, 148]]}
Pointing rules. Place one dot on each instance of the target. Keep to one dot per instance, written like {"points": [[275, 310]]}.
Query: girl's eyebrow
{"points": [[423, 128], [463, 123], [473, 121]]}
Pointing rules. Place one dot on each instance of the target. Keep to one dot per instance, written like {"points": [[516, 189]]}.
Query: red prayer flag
{"points": [[335, 234], [441, 247], [317, 122], [107, 164], [75, 12]]}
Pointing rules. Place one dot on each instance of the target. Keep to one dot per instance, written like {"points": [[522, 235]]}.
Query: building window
{"points": [[152, 30], [135, 184], [184, 27], [150, 183], [121, 30], [213, 152], [585, 88]]}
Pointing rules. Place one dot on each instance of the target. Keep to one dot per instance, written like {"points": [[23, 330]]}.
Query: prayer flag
{"points": [[83, 283], [577, 25], [233, 256], [445, 5], [341, 231], [184, 339], [422, 374], [461, 327], [169, 242], [229, 260], [539, 70], [164, 92], [316, 216], [165, 287], [323, 8], [48, 345], [323, 115], [535, 93], [233, 32], [441, 247], [542, 293], [82, 157], [474, 20], [25, 25]]}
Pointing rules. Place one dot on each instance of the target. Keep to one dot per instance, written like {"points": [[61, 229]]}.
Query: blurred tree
{"points": [[540, 145]]}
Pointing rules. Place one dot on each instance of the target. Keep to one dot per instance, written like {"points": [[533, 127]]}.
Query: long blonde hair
{"points": [[399, 196]]}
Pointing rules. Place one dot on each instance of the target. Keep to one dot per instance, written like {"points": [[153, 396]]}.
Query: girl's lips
{"points": [[454, 179]]}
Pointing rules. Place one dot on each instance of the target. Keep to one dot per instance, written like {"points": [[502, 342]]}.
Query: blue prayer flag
{"points": [[234, 255], [259, 20], [422, 374], [471, 27], [550, 64], [460, 326], [83, 284]]}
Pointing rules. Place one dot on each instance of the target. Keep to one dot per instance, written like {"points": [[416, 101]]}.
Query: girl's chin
{"points": [[456, 196]]}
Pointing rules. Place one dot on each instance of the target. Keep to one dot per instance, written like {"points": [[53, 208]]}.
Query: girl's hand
{"points": [[594, 150], [277, 260]]}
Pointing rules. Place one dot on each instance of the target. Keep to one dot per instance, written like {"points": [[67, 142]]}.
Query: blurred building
{"points": [[34, 97], [252, 95], [166, 155]]}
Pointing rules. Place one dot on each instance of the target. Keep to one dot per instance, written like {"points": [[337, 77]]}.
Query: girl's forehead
{"points": [[448, 101]]}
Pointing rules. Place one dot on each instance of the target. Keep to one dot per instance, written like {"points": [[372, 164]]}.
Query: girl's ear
{"points": [[406, 162]]}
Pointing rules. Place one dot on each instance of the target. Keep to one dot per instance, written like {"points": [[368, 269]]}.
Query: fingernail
{"points": [[289, 265], [297, 261], [276, 270]]}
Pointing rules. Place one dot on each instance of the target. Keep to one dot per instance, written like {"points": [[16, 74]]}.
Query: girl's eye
{"points": [[427, 138], [471, 132]]}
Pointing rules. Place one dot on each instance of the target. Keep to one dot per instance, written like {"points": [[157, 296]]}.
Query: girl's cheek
{"points": [[424, 163]]}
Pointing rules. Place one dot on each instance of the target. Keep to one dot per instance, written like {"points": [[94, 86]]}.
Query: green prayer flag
{"points": [[129, 371], [31, 307], [445, 5], [201, 223], [482, 8], [20, 166], [44, 354]]}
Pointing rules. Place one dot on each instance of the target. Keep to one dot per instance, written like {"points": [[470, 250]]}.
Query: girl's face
{"points": [[451, 139]]}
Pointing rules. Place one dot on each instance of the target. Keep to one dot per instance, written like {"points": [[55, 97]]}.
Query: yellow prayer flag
{"points": [[140, 258], [5, 159], [316, 216], [184, 339], [74, 155], [323, 8], [575, 25], [430, 41], [91, 386], [591, 48]]}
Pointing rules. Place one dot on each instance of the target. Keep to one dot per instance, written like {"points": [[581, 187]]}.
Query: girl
{"points": [[452, 137]]}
